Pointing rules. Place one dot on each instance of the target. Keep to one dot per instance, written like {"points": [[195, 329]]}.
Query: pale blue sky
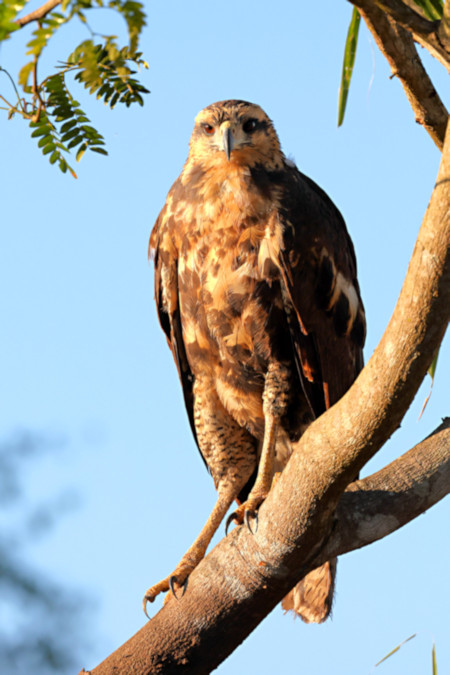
{"points": [[83, 355]]}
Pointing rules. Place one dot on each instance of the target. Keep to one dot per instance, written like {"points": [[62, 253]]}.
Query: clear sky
{"points": [[83, 356]]}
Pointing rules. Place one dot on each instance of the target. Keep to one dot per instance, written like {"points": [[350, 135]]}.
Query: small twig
{"points": [[38, 13], [19, 100], [10, 106], [425, 32], [37, 92], [397, 45]]}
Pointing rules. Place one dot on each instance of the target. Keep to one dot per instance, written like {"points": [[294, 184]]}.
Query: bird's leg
{"points": [[192, 557], [274, 405], [263, 482], [230, 454]]}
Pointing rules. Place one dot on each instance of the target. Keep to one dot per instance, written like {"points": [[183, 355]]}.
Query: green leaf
{"points": [[433, 660], [114, 99], [45, 140], [432, 368], [49, 148], [41, 131], [81, 152], [349, 60], [90, 131], [431, 373], [70, 134], [433, 9], [100, 151], [54, 157], [68, 125], [75, 141], [24, 75]]}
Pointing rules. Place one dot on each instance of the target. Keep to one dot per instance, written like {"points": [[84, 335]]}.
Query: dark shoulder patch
{"points": [[325, 282], [265, 180], [358, 332], [341, 314]]}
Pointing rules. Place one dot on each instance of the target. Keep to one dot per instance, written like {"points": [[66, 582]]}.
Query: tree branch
{"points": [[376, 506], [38, 13], [407, 17], [181, 638], [246, 575], [398, 47], [426, 33]]}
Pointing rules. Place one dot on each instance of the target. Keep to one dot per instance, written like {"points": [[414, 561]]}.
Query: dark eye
{"points": [[208, 129], [249, 126]]}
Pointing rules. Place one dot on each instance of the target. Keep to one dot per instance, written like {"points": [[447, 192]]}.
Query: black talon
{"points": [[254, 515], [172, 587], [230, 519], [172, 581], [145, 602]]}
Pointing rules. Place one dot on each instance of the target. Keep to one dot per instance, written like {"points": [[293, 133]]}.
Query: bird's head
{"points": [[236, 132]]}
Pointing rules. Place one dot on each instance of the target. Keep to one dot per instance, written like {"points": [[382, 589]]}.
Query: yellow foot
{"points": [[246, 511], [175, 582]]}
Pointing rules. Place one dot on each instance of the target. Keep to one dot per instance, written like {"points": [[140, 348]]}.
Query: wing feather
{"points": [[166, 297], [321, 292]]}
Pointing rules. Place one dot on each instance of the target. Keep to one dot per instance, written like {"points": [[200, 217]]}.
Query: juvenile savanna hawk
{"points": [[256, 290]]}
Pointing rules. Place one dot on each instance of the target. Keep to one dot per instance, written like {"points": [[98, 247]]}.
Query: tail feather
{"points": [[312, 597]]}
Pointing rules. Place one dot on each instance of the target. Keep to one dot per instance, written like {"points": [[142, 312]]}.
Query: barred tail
{"points": [[312, 597]]}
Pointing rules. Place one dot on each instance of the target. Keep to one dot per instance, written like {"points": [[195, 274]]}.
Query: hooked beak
{"points": [[227, 140]]}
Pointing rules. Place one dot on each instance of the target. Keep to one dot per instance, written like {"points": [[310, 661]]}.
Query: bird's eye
{"points": [[249, 126], [208, 129]]}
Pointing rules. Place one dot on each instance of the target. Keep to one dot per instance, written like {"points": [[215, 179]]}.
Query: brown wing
{"points": [[166, 297], [322, 299]]}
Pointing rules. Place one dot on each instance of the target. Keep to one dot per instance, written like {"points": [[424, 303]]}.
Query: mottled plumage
{"points": [[256, 290]]}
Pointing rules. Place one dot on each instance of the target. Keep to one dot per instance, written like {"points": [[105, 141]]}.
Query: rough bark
{"points": [[196, 633], [304, 519]]}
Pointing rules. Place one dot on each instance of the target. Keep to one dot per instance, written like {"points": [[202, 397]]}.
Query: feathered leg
{"points": [[230, 453], [275, 398]]}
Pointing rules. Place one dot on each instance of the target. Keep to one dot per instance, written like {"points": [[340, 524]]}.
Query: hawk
{"points": [[256, 291]]}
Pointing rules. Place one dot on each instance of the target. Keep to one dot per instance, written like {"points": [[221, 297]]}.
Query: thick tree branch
{"points": [[246, 575], [426, 33], [38, 13], [407, 17], [372, 508], [398, 47], [368, 510]]}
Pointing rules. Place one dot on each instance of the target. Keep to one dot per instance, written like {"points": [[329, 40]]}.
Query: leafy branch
{"points": [[105, 69]]}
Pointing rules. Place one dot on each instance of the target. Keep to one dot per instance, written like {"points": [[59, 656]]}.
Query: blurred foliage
{"points": [[430, 9], [105, 69], [40, 622]]}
